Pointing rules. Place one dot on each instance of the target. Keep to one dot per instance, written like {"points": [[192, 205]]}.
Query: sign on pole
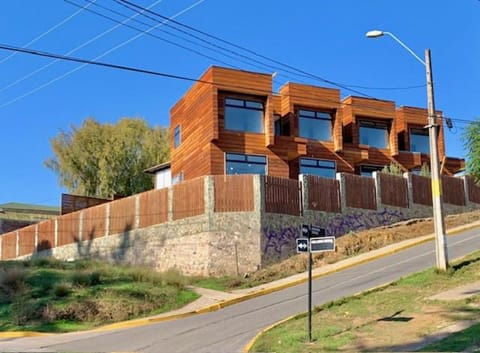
{"points": [[322, 244], [302, 245], [318, 231]]}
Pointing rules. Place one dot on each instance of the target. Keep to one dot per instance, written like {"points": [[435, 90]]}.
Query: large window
{"points": [[315, 125], [243, 115], [374, 134], [318, 167], [419, 141], [236, 163]]}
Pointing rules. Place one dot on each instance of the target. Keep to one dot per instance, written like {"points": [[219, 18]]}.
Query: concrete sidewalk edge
{"points": [[266, 288]]}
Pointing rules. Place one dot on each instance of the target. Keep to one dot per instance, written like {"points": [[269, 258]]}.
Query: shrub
{"points": [[174, 277], [86, 279], [393, 169], [12, 283], [62, 290], [24, 311], [425, 170]]}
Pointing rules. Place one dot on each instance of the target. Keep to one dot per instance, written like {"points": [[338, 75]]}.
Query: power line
{"points": [[48, 31], [297, 70], [147, 32], [85, 62], [216, 49], [84, 44], [179, 77], [322, 79]]}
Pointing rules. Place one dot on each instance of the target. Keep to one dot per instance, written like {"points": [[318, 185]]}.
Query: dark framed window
{"points": [[419, 140], [318, 167], [237, 163], [367, 170], [177, 138], [374, 134], [244, 115], [315, 125]]}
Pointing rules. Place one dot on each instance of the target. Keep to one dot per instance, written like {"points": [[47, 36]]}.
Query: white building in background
{"points": [[162, 175]]}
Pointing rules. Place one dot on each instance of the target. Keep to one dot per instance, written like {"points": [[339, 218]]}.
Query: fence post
{"points": [[303, 179], [107, 219], [35, 249], [408, 176], [1, 241], [209, 199], [466, 190], [259, 193], [343, 195], [378, 188], [170, 204], [136, 221]]}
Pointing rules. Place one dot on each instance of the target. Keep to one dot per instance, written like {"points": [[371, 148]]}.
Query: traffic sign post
{"points": [[322, 244], [302, 245], [313, 245]]}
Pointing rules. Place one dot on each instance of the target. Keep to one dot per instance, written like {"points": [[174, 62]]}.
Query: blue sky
{"points": [[322, 37]]}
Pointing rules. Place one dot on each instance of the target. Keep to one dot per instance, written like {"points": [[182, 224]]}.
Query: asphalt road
{"points": [[229, 329]]}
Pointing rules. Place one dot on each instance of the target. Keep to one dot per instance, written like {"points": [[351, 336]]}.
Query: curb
{"points": [[421, 240], [393, 248]]}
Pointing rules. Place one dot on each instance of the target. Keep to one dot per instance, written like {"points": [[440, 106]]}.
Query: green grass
{"points": [[54, 296], [348, 321], [457, 342]]}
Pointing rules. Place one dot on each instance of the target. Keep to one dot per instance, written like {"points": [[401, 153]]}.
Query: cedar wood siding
{"points": [[194, 113], [296, 96], [244, 85], [204, 141], [357, 108]]}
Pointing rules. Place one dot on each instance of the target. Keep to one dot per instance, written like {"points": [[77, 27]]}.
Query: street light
{"points": [[439, 224]]}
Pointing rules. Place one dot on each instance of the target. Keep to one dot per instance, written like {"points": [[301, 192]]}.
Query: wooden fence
{"points": [[122, 215], [473, 190], [72, 203], [153, 207], [323, 194], [453, 190], [282, 196], [393, 190], [422, 190], [360, 192], [46, 235], [188, 198], [68, 228], [233, 193], [26, 240]]}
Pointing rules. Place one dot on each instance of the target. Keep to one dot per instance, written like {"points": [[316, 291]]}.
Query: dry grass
{"points": [[355, 243]]}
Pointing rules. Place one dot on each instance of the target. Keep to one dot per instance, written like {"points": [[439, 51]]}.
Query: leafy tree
{"points": [[471, 137], [106, 159]]}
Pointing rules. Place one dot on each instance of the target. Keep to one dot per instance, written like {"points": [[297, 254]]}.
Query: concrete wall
{"points": [[219, 243]]}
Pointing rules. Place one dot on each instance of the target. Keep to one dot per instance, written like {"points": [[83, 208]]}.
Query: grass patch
{"points": [[386, 318], [457, 342], [54, 296]]}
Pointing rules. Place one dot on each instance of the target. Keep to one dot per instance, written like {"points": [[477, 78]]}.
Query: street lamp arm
{"points": [[405, 46]]}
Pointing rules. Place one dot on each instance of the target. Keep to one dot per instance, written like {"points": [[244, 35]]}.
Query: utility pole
{"points": [[437, 204]]}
